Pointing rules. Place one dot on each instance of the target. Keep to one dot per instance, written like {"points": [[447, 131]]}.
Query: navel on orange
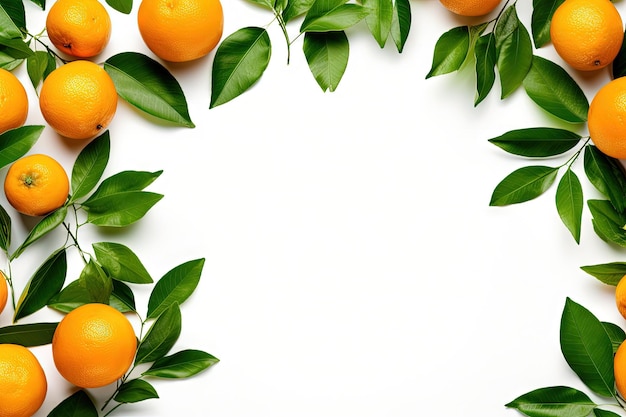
{"points": [[606, 119], [13, 101], [470, 7], [23, 384]]}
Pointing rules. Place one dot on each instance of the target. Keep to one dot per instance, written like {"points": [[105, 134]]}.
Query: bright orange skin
{"points": [[607, 119], [180, 30], [4, 291], [587, 34], [36, 185], [470, 7], [94, 345], [80, 28], [13, 102], [23, 384], [619, 369], [78, 100]]}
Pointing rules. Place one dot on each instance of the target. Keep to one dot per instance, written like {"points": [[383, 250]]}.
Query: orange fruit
{"points": [[606, 119], [619, 369], [78, 100], [81, 28], [620, 297], [470, 7], [180, 30], [36, 185], [93, 345], [13, 101], [23, 383], [4, 291], [587, 34]]}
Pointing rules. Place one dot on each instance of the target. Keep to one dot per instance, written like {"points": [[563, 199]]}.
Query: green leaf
{"points": [[175, 287], [29, 335], [555, 91], [523, 184], [607, 223], [122, 297], [598, 412], [97, 283], [5, 229], [401, 23], [485, 54], [556, 401], [46, 282], [587, 348], [15, 143], [122, 6], [450, 52], [122, 209], [537, 141], [183, 364], [569, 202], [7, 62], [541, 19], [16, 48], [40, 3], [121, 263], [45, 226], [89, 166], [36, 66], [514, 51], [332, 15], [619, 63], [609, 273], [134, 391], [123, 182], [161, 336], [76, 405], [268, 4], [74, 295], [616, 335], [607, 175], [149, 86], [239, 62], [12, 18], [379, 19], [327, 55], [296, 8]]}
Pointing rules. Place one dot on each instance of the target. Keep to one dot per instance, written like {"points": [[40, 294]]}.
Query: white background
{"points": [[353, 265]]}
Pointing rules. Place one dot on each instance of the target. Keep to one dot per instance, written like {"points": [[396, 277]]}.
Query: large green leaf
{"points": [[537, 141], [15, 143], [486, 58], [296, 8], [379, 19], [121, 209], [450, 52], [523, 184], [607, 222], [122, 6], [29, 335], [240, 60], [607, 175], [45, 226], [609, 273], [121, 262], [514, 51], [183, 364], [161, 336], [327, 55], [149, 86], [134, 391], [123, 182], [79, 404], [175, 287], [541, 19], [569, 203], [89, 166], [558, 401], [616, 335], [332, 15]]}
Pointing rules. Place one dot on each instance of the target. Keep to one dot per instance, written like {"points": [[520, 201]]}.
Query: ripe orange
{"points": [[180, 30], [587, 34], [36, 185], [470, 7], [78, 100], [23, 383], [81, 28], [607, 119], [4, 291], [13, 101], [93, 345], [619, 369]]}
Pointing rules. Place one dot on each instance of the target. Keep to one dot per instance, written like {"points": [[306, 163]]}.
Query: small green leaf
{"points": [[537, 141], [332, 15], [122, 6], [122, 209], [121, 263], [569, 202], [46, 282], [514, 51], [379, 19], [29, 335], [161, 336], [486, 58], [183, 364], [78, 404], [598, 412], [556, 401], [89, 166], [149, 86], [5, 229], [36, 66], [134, 391], [607, 222], [240, 60], [523, 184], [587, 348], [15, 143], [268, 4], [175, 287], [45, 226], [616, 334], [450, 52], [609, 273], [327, 55], [122, 297], [607, 175], [541, 19], [401, 23]]}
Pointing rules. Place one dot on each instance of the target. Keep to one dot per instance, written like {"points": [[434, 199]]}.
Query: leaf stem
{"points": [[37, 39], [283, 27]]}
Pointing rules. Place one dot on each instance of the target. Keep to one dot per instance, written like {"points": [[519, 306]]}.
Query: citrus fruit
{"points": [[180, 30], [606, 119], [78, 100], [36, 184], [93, 345], [470, 7], [619, 369], [4, 291], [23, 383], [13, 101], [81, 28], [587, 34]]}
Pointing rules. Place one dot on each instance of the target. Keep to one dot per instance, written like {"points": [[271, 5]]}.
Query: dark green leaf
{"points": [[5, 229], [541, 19], [587, 348], [46, 282], [12, 19], [569, 202], [123, 182], [401, 23], [554, 402], [555, 91], [182, 364], [537, 141], [514, 51], [619, 63], [296, 8], [122, 6], [90, 165], [16, 48], [327, 55], [485, 53], [149, 86], [616, 335], [45, 226], [121, 263], [76, 405], [134, 391], [240, 60], [36, 66], [450, 52], [598, 412], [97, 283], [332, 15], [175, 287], [122, 209], [607, 176], [379, 18], [122, 297], [523, 184], [40, 3], [608, 223], [610, 273], [161, 336], [74, 295], [15, 143], [29, 335]]}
